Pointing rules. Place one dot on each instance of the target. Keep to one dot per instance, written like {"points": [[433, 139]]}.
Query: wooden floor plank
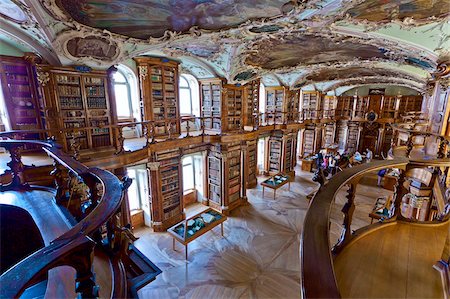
{"points": [[394, 262]]}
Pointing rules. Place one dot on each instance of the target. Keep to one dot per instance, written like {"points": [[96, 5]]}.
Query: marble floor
{"points": [[258, 257]]}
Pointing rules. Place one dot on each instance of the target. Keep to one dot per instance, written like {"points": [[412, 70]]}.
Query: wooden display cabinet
{"points": [[275, 104], [20, 93], [166, 187], [158, 81], [211, 101], [76, 100], [224, 187]]}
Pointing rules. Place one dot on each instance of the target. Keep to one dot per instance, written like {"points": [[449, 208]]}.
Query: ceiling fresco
{"points": [[296, 43], [333, 74], [385, 11], [296, 50], [152, 18]]}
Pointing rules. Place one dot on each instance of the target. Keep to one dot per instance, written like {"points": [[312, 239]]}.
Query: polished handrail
{"points": [[318, 277], [77, 238]]}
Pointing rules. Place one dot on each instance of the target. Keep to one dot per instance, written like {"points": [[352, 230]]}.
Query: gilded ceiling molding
{"points": [[442, 70]]}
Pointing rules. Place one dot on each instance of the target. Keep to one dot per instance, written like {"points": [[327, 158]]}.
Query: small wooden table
{"points": [[196, 226], [275, 182]]}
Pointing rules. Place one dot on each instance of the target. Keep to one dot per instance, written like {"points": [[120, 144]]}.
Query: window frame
{"points": [[192, 164], [182, 77], [128, 86]]}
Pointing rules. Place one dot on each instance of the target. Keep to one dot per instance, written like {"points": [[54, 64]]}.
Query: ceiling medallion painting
{"points": [[11, 11], [92, 46], [86, 47], [144, 19], [273, 53], [385, 11]]}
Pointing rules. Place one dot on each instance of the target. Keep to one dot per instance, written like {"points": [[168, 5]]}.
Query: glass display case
{"points": [[190, 229]]}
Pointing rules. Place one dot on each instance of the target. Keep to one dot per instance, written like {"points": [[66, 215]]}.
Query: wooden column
{"points": [[205, 199], [395, 210], [244, 171], [224, 180], [154, 200]]}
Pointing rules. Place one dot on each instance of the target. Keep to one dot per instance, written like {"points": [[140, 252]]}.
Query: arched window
{"points": [[185, 96], [122, 91], [126, 94], [123, 96]]}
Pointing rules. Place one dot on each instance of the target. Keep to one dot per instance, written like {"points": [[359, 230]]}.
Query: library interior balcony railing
{"points": [[420, 150], [92, 200]]}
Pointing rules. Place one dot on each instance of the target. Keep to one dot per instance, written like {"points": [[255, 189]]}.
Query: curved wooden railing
{"points": [[318, 277], [75, 247]]}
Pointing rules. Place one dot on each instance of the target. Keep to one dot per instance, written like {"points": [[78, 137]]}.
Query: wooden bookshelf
{"points": [[341, 134], [360, 108], [211, 99], [293, 104], [224, 169], [275, 104], [311, 105], [275, 152], [309, 141], [386, 139], [352, 137], [158, 78], [233, 108], [75, 100], [20, 94], [214, 165], [328, 134], [251, 161], [409, 104], [328, 107], [251, 103], [166, 183], [344, 107], [389, 107], [289, 157]]}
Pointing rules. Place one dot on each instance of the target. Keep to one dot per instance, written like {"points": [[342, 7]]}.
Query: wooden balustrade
{"points": [[75, 247]]}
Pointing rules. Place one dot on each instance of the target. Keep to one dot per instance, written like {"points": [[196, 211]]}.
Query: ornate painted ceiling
{"points": [[326, 44]]}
